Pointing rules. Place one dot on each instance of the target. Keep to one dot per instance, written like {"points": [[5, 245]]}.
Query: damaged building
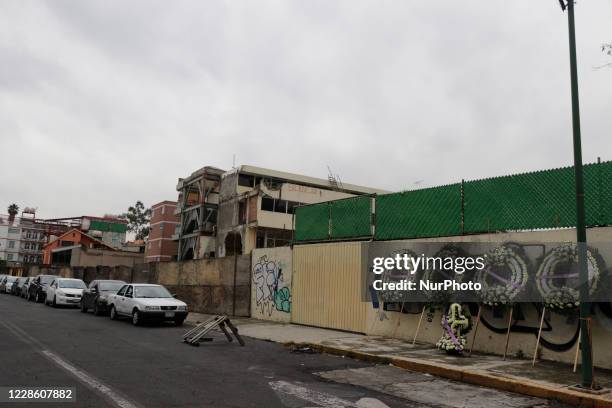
{"points": [[224, 213]]}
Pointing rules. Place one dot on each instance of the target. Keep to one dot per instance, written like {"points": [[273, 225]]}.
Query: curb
{"points": [[476, 377]]}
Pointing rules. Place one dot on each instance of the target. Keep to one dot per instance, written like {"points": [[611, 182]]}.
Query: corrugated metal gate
{"points": [[326, 289]]}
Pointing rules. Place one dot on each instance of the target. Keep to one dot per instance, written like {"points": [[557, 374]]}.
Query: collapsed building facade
{"points": [[232, 212]]}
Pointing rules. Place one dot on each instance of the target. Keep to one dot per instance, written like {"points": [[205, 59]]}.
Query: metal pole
{"points": [[585, 307]]}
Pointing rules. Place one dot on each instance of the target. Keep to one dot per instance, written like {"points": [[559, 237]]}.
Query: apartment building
{"points": [[160, 246], [10, 239], [232, 212]]}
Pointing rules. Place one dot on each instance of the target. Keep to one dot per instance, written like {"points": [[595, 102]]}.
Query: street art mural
{"points": [[271, 288]]}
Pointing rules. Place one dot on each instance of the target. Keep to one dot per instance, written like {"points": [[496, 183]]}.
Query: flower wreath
{"points": [[565, 298], [503, 290], [436, 299]]}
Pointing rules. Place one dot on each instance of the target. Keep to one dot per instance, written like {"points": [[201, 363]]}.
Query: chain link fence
{"points": [[528, 201]]}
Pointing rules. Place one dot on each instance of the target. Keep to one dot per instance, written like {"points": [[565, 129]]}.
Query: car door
{"points": [[88, 294], [117, 298], [128, 304], [121, 299], [51, 291]]}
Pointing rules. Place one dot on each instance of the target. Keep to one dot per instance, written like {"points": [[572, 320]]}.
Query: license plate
{"points": [[73, 300], [169, 314]]}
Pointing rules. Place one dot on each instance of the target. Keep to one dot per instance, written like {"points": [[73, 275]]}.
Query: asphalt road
{"points": [[114, 364]]}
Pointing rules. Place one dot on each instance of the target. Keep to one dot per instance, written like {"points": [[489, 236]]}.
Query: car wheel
{"points": [[136, 318], [113, 313], [179, 322], [83, 307]]}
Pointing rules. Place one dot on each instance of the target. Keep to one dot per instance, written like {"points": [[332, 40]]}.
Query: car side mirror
{"points": [[173, 295]]}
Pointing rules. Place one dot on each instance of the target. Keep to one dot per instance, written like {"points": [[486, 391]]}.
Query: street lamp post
{"points": [[585, 306]]}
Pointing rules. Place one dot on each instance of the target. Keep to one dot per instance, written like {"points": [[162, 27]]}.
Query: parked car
{"points": [[146, 302], [37, 291], [65, 291], [7, 284], [95, 297], [16, 285], [23, 291]]}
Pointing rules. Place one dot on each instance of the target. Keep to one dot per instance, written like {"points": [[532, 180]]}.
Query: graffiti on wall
{"points": [[272, 293]]}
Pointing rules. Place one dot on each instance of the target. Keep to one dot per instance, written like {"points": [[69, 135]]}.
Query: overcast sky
{"points": [[106, 102]]}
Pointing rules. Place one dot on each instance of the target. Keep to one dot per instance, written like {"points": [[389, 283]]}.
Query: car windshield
{"points": [[45, 280], [151, 292], [10, 279], [110, 286], [71, 284]]}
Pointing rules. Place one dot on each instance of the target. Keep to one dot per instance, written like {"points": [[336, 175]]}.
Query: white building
{"points": [[10, 240]]}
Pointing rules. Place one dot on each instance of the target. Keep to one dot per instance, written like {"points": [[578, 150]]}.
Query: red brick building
{"points": [[160, 246]]}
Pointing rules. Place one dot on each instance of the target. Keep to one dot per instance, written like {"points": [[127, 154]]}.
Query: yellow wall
{"points": [[327, 286]]}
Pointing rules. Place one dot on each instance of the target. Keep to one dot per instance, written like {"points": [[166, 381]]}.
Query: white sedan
{"points": [[65, 291], [143, 302]]}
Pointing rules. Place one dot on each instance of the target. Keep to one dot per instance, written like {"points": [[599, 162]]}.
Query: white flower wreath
{"points": [[397, 275], [564, 298], [437, 298], [506, 290]]}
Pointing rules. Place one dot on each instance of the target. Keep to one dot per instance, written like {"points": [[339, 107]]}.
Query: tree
{"points": [[138, 220], [13, 209]]}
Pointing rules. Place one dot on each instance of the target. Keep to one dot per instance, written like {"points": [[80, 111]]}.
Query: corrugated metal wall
{"points": [[326, 290]]}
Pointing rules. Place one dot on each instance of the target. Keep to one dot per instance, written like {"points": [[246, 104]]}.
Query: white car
{"points": [[65, 291], [7, 283], [144, 302]]}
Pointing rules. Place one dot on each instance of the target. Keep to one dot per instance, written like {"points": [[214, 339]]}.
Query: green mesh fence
{"points": [[312, 222], [430, 212], [542, 199], [351, 218]]}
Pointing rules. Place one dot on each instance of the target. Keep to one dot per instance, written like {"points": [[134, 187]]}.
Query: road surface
{"points": [[114, 364]]}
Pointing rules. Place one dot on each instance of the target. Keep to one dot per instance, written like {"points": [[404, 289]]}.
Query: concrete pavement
{"points": [[547, 379]]}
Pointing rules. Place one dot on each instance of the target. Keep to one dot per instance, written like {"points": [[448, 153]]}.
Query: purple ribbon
{"points": [[452, 335]]}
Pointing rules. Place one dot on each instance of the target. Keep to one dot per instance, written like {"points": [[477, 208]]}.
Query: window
{"points": [[159, 243], [13, 230], [163, 209], [11, 244], [161, 226], [129, 291], [29, 234], [280, 206], [245, 180], [122, 290], [9, 257], [27, 245], [291, 206], [267, 204]]}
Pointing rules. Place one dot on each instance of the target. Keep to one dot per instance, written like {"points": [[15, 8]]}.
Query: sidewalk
{"points": [[546, 380]]}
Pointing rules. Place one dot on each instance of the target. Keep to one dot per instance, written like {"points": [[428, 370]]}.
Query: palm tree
{"points": [[13, 210]]}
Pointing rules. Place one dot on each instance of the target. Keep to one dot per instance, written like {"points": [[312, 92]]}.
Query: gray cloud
{"points": [[105, 102]]}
